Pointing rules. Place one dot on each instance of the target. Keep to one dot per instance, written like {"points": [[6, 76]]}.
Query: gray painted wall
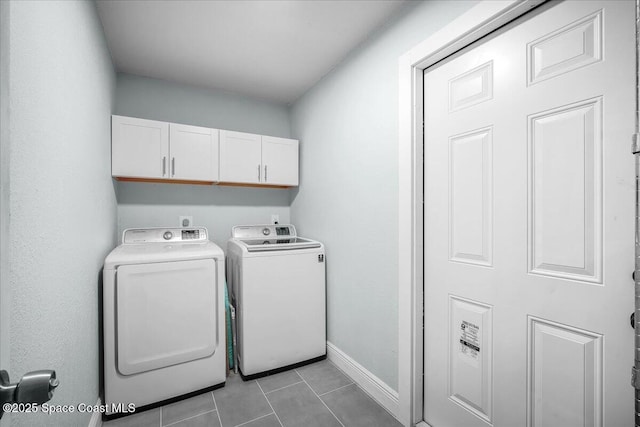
{"points": [[156, 99], [62, 198], [348, 195], [5, 306], [217, 208]]}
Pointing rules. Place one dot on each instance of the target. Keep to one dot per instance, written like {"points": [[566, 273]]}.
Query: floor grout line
{"points": [[326, 392], [217, 409], [282, 388], [255, 419], [336, 389], [267, 399], [191, 417], [161, 416], [214, 400], [325, 405]]}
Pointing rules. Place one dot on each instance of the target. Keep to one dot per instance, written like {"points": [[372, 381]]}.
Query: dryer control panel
{"points": [[164, 235]]}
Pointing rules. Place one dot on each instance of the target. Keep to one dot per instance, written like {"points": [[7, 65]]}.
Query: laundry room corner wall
{"points": [[348, 194], [214, 207], [5, 306], [62, 197]]}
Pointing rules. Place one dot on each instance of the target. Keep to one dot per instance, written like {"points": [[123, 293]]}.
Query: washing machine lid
{"points": [[270, 237], [149, 245], [257, 245]]}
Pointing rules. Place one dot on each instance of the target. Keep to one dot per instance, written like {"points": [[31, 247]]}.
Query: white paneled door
{"points": [[529, 223]]}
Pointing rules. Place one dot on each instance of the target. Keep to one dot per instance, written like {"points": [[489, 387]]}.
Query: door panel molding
{"points": [[471, 88], [470, 197], [556, 352], [574, 46], [569, 245], [470, 382]]}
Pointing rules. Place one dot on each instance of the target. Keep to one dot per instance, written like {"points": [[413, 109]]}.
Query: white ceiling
{"points": [[268, 49]]}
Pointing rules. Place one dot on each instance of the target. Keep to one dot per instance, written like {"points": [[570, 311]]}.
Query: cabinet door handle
{"points": [[258, 173], [173, 166], [164, 165], [265, 173]]}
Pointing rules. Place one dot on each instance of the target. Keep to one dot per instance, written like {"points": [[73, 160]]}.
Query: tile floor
{"points": [[317, 395]]}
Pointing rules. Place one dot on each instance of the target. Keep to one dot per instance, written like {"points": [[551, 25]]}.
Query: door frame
{"points": [[476, 23]]}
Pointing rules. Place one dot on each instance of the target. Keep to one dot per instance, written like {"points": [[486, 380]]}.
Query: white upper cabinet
{"points": [[140, 148], [279, 161], [147, 149], [194, 153], [247, 158], [240, 157]]}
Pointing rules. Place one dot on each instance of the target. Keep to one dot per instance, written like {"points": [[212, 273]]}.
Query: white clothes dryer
{"points": [[277, 285], [163, 317]]}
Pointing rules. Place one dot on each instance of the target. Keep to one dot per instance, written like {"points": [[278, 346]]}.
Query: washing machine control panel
{"points": [[283, 231], [255, 231], [164, 235]]}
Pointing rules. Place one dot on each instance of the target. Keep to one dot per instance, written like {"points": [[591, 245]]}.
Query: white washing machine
{"points": [[163, 316], [278, 287]]}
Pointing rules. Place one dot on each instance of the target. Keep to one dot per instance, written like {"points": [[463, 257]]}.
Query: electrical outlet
{"points": [[186, 221], [275, 219]]}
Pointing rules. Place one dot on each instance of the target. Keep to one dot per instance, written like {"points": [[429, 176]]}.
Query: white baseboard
{"points": [[422, 424], [96, 418], [372, 385]]}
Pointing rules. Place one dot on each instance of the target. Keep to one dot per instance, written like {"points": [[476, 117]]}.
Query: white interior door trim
{"points": [[468, 28]]}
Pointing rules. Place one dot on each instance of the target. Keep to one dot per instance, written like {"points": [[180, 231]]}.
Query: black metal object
{"points": [[34, 387]]}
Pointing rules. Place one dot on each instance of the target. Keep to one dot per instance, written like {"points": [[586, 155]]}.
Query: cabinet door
{"points": [[139, 148], [240, 157], [279, 161], [193, 153]]}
